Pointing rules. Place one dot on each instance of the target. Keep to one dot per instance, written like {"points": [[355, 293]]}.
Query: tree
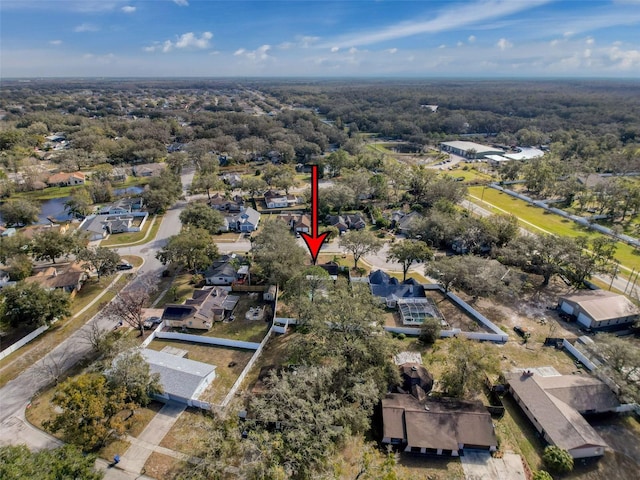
{"points": [[621, 362], [478, 277], [19, 212], [176, 161], [79, 204], [276, 253], [19, 267], [206, 182], [30, 304], [192, 248], [202, 216], [162, 191], [308, 282], [17, 462], [90, 411], [130, 371], [14, 245], [359, 243], [429, 330], [101, 259], [50, 244], [545, 255], [253, 185], [128, 305], [466, 367], [407, 252], [557, 459]]}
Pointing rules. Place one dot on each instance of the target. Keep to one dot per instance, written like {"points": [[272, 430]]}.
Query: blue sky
{"points": [[419, 38]]}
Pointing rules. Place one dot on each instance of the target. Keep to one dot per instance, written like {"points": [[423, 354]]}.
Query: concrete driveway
{"points": [[480, 465]]}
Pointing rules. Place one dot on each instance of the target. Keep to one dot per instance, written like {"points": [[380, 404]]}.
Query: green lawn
{"points": [[537, 219]]}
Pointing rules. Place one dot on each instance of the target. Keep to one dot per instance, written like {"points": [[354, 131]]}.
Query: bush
{"points": [[430, 331], [542, 475], [557, 459], [401, 336]]}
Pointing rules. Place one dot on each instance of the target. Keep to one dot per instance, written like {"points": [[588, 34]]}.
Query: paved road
{"points": [[16, 394]]}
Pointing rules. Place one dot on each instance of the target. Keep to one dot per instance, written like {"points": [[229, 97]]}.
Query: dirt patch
{"points": [[162, 466]]}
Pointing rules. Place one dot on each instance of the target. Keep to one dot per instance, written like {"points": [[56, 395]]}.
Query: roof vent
{"points": [[414, 368]]}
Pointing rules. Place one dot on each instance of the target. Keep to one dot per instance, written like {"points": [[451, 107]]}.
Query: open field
{"points": [[548, 222]]}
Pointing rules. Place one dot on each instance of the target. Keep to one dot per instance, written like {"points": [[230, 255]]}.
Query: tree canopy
{"points": [[276, 253], [31, 305]]}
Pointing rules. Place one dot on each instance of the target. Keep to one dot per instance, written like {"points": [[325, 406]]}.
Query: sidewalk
{"points": [[133, 460]]}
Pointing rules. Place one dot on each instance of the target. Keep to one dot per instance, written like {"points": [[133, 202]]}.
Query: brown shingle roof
{"points": [[437, 423]]}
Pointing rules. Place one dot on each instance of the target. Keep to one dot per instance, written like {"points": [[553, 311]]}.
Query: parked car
{"points": [[151, 322], [124, 266]]}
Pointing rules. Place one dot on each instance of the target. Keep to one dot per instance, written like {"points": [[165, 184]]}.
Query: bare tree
{"points": [[128, 305]]}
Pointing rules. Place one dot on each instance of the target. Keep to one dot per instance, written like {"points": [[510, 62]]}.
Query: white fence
{"points": [[578, 354], [225, 342], [23, 341], [247, 368]]}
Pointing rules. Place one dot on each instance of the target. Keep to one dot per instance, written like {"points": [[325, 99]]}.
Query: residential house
{"points": [[298, 223], [182, 380], [274, 199], [405, 222], [245, 221], [118, 174], [69, 278], [555, 405], [64, 179], [227, 270], [123, 206], [220, 202], [99, 226], [232, 179], [389, 289], [600, 309], [206, 306], [148, 169], [437, 426], [346, 222], [332, 268]]}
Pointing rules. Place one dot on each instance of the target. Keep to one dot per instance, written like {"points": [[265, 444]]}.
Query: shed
{"points": [[600, 309]]}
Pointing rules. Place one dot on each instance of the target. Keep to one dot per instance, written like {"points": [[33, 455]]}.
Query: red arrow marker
{"points": [[314, 241]]}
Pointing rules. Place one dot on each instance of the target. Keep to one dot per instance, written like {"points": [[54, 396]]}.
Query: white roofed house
{"points": [[470, 150], [246, 221]]}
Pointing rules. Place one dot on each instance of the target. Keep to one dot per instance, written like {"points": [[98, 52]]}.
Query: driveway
{"points": [[480, 465]]}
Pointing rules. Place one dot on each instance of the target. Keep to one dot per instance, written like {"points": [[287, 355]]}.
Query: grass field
{"points": [[548, 222]]}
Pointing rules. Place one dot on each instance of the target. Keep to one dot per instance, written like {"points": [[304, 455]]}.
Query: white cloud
{"points": [[55, 42], [503, 44], [391, 50], [450, 18], [353, 50], [459, 44], [187, 40], [128, 9], [259, 54], [471, 39], [86, 27], [589, 41], [285, 45], [334, 49], [441, 46], [307, 41], [182, 3], [625, 58]]}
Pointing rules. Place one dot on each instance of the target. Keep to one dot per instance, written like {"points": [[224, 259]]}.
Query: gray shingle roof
{"points": [[179, 376]]}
